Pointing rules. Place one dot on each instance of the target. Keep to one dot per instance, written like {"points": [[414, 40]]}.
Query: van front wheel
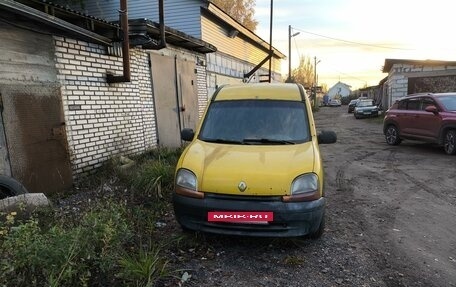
{"points": [[321, 229]]}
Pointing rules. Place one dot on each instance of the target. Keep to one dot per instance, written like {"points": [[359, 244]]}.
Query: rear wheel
{"points": [[10, 187], [392, 136], [449, 142]]}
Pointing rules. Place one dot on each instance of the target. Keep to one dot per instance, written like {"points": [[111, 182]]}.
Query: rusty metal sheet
{"points": [[36, 138]]}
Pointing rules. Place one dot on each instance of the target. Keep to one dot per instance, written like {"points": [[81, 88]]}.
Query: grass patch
{"points": [[102, 234]]}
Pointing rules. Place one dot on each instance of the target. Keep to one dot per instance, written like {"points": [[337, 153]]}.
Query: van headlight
{"points": [[304, 184], [186, 184], [304, 188]]}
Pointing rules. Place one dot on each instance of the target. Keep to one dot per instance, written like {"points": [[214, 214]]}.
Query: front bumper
{"points": [[290, 218]]}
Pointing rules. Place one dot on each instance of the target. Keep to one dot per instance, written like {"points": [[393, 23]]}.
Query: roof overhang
{"points": [[145, 27], [28, 12], [220, 14], [96, 30], [389, 63]]}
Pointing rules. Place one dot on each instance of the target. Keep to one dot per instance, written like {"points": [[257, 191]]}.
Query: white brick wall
{"points": [[103, 120], [398, 78], [397, 85], [201, 83]]}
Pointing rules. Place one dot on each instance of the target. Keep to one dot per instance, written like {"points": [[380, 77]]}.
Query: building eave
{"points": [[220, 14], [389, 63], [52, 21], [173, 36]]}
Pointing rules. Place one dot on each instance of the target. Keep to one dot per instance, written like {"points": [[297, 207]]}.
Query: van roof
{"points": [[260, 91]]}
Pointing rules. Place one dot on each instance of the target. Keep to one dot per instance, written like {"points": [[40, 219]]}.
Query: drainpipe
{"points": [[110, 78], [162, 24]]}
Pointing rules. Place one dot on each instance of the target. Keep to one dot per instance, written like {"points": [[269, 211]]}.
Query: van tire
{"points": [[321, 229], [10, 187]]}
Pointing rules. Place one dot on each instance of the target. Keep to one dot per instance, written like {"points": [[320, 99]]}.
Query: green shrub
{"points": [[99, 243], [64, 255]]}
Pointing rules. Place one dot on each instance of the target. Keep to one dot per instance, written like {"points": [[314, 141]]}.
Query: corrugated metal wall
{"points": [[237, 47], [183, 15]]}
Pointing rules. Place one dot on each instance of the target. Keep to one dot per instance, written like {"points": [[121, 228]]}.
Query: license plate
{"points": [[252, 217]]}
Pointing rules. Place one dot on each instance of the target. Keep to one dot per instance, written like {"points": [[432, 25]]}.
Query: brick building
{"points": [[61, 116], [407, 76]]}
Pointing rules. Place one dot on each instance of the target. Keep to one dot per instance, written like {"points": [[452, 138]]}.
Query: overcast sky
{"points": [[352, 38]]}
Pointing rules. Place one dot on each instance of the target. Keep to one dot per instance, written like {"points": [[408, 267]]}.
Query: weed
{"points": [[293, 260], [144, 268], [85, 244]]}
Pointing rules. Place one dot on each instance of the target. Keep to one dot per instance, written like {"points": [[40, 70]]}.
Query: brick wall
{"points": [[103, 120], [202, 89], [400, 73], [397, 85]]}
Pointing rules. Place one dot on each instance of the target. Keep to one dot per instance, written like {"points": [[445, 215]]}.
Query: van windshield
{"points": [[261, 122]]}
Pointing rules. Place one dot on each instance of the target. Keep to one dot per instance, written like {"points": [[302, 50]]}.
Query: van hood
{"points": [[265, 170]]}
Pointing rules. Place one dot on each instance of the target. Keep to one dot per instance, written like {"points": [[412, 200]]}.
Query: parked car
{"points": [[352, 105], [424, 117], [253, 166], [365, 108], [334, 103]]}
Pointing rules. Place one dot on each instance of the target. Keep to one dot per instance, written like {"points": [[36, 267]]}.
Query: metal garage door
{"points": [[176, 98]]}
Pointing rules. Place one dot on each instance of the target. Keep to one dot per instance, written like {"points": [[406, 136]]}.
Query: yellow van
{"points": [[253, 166]]}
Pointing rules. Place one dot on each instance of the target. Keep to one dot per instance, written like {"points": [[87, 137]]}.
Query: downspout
{"points": [[161, 16], [126, 77]]}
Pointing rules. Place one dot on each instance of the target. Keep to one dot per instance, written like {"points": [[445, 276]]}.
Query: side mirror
{"points": [[431, 109], [327, 137], [187, 135]]}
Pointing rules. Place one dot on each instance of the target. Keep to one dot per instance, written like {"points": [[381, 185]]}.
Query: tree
{"points": [[304, 73], [241, 10]]}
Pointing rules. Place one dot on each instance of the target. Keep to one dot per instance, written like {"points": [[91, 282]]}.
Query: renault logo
{"points": [[242, 186]]}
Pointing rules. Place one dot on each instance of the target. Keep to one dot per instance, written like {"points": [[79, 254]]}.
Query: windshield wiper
{"points": [[223, 141], [267, 141]]}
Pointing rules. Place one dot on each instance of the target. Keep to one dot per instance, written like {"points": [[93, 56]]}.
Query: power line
{"points": [[349, 76], [351, 42], [297, 47]]}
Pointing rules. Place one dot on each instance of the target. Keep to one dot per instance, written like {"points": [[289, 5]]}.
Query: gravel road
{"points": [[391, 221]]}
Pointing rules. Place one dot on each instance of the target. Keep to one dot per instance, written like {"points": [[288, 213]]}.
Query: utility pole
{"points": [[315, 81], [289, 51], [270, 41], [289, 54]]}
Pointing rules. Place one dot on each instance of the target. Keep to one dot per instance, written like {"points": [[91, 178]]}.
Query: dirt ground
{"points": [[391, 221]]}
